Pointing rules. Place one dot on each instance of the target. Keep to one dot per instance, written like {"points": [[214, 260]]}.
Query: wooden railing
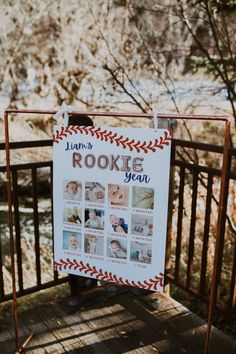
{"points": [[197, 241], [31, 194], [192, 246]]}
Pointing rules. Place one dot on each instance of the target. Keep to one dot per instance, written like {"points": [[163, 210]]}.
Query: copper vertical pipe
{"points": [[10, 221], [214, 284]]}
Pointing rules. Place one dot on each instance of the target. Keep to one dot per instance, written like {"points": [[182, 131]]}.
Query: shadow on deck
{"points": [[122, 322]]}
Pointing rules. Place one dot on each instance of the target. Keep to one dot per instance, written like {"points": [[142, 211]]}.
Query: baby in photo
{"points": [[117, 250], [142, 225], [145, 230], [72, 215], [118, 195], [93, 219], [143, 198], [93, 245], [118, 224], [72, 190], [90, 244], [94, 192], [71, 241]]}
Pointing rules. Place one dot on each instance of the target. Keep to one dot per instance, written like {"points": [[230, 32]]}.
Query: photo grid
{"points": [[72, 216], [83, 217], [130, 223], [112, 221]]}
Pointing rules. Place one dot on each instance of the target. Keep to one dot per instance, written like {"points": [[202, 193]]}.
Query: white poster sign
{"points": [[110, 194]]}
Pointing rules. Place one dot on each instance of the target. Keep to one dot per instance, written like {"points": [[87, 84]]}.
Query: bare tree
{"points": [[211, 25]]}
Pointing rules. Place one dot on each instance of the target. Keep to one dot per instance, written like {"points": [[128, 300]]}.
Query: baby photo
{"points": [[118, 224], [141, 225], [143, 198], [140, 252], [94, 192], [116, 248], [93, 244], [94, 219], [72, 190], [71, 241], [118, 195], [72, 215]]}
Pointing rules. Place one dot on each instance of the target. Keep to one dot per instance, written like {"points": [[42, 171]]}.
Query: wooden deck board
{"points": [[43, 338], [81, 330], [125, 323], [150, 328]]}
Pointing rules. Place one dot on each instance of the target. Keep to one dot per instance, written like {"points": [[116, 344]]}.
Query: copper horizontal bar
{"points": [[126, 115]]}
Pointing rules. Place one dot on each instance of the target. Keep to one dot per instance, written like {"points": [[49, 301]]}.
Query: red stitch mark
{"points": [[68, 130], [91, 130], [134, 284], [86, 268], [123, 142], [121, 281], [96, 132], [127, 282], [117, 140], [141, 285], [78, 128], [87, 130], [130, 143], [111, 138], [115, 278], [104, 276], [63, 132], [160, 280], [157, 144], [143, 147], [71, 264], [83, 267], [63, 264], [103, 135], [76, 264], [150, 146], [94, 271], [149, 285], [154, 283], [99, 274], [73, 129], [107, 136], [136, 146], [56, 266]]}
